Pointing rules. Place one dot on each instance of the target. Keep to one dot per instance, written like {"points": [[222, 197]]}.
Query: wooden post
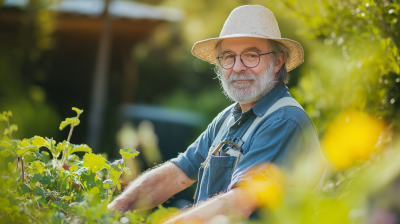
{"points": [[99, 89], [129, 77]]}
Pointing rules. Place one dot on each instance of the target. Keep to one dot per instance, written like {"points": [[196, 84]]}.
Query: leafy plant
{"points": [[43, 181], [360, 66]]}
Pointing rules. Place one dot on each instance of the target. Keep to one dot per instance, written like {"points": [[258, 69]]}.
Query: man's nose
{"points": [[239, 67]]}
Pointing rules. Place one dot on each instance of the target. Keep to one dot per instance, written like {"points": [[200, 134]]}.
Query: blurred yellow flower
{"points": [[266, 182], [351, 137]]}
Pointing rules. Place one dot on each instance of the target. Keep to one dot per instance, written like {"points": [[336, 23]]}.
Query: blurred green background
{"points": [[124, 62]]}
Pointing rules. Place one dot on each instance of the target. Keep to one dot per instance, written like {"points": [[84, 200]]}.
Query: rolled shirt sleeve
{"points": [[190, 160]]}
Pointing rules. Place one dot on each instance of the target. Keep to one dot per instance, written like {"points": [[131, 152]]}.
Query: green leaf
{"points": [[94, 191], [6, 144], [36, 167], [94, 162], [78, 148], [56, 150], [40, 142], [56, 164], [65, 198], [77, 110], [126, 170], [36, 178], [134, 216], [38, 155], [11, 167], [15, 143], [3, 117], [45, 181], [128, 153], [39, 191], [73, 168], [80, 170], [89, 180], [115, 173], [107, 183], [69, 121], [45, 157], [161, 214], [6, 131], [30, 157], [13, 128], [65, 183], [72, 159], [12, 183], [118, 163], [56, 184], [7, 156], [24, 142], [55, 204], [6, 153], [22, 150], [9, 114], [23, 188], [81, 148]]}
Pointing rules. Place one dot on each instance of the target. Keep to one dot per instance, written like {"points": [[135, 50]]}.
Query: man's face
{"points": [[241, 83]]}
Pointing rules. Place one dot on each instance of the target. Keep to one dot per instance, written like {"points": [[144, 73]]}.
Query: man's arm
{"points": [[152, 188], [239, 202]]}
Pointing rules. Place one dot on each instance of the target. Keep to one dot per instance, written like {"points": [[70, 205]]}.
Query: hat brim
{"points": [[205, 49]]}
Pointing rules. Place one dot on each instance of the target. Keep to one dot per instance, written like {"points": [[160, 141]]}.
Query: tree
{"points": [[366, 34]]}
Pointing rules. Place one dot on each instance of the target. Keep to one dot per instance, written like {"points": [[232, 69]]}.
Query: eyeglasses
{"points": [[249, 58]]}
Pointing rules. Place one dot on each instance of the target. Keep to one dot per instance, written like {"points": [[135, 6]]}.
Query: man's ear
{"points": [[279, 62]]}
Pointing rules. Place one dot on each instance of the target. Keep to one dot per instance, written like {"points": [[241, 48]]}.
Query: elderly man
{"points": [[265, 125]]}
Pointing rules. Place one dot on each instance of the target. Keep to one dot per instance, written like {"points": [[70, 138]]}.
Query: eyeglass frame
{"points": [[240, 56]]}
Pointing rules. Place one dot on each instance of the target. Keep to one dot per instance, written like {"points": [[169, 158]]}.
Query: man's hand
{"points": [[152, 188], [120, 205]]}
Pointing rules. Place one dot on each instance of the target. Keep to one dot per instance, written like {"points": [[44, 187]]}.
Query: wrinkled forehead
{"points": [[240, 44]]}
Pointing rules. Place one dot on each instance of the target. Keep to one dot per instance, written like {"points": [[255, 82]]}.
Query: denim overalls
{"points": [[278, 139], [215, 173]]}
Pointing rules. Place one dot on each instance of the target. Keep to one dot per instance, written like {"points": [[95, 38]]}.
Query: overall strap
{"points": [[286, 102], [282, 102], [229, 121]]}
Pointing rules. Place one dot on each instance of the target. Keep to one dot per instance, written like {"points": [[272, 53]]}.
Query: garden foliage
{"points": [[44, 181], [359, 64]]}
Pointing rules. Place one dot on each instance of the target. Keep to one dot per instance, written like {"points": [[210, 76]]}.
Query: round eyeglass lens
{"points": [[227, 60], [250, 58]]}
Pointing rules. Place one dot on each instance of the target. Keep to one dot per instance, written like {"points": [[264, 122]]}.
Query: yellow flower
{"points": [[266, 182], [351, 137]]}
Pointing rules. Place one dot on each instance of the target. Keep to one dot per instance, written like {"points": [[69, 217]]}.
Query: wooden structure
{"points": [[94, 40]]}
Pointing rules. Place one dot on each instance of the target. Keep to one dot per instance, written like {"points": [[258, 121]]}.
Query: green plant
{"points": [[358, 65], [53, 185]]}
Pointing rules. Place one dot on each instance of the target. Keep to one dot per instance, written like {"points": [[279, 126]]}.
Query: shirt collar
{"points": [[266, 102]]}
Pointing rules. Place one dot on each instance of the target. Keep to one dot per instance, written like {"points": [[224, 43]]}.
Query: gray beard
{"points": [[249, 92]]}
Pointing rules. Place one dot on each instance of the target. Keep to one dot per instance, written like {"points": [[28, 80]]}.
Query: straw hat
{"points": [[250, 21]]}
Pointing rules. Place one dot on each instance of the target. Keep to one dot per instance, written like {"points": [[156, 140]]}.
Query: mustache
{"points": [[240, 76]]}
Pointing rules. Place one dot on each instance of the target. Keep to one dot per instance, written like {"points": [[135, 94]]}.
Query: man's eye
{"points": [[230, 56]]}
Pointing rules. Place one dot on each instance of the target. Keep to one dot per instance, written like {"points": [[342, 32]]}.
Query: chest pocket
{"points": [[215, 177]]}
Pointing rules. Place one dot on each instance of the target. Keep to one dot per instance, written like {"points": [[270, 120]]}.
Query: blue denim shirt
{"points": [[279, 138]]}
